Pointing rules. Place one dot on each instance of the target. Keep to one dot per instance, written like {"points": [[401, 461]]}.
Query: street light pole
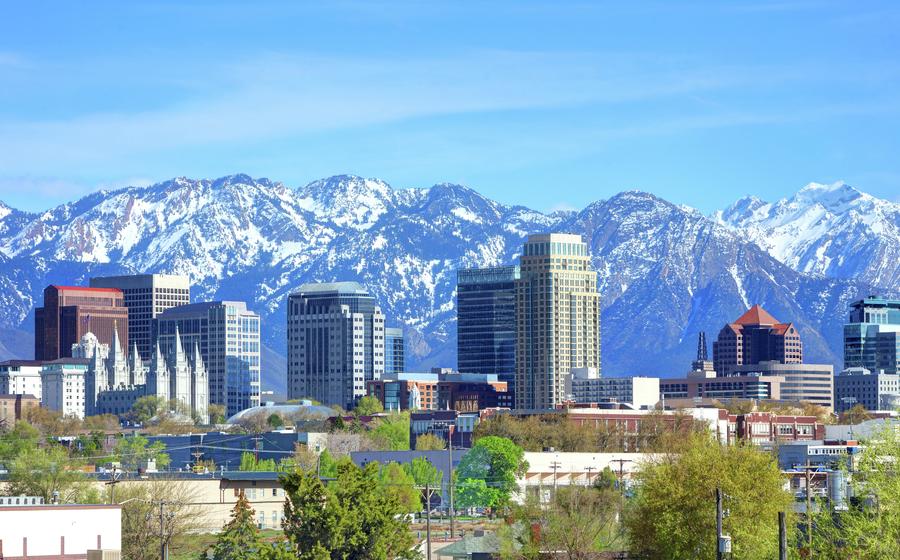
{"points": [[450, 452], [719, 554]]}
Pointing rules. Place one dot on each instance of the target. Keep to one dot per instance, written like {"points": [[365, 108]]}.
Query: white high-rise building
{"points": [[557, 318], [335, 342], [20, 377], [63, 386]]}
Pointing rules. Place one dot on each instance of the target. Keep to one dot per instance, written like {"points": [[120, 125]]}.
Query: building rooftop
{"points": [[332, 287], [86, 289], [756, 315], [21, 363], [200, 307]]}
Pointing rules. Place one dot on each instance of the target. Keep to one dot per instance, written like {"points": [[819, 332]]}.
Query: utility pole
{"points": [[428, 519], [256, 439], [450, 452], [719, 554], [555, 465], [807, 468], [621, 472], [589, 468], [163, 545], [112, 486], [782, 537]]}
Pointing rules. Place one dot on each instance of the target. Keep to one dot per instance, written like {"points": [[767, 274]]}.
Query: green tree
{"points": [[869, 528], [327, 465], [855, 415], [21, 437], [146, 408], [673, 512], [475, 492], [367, 406], [606, 480], [353, 518], [240, 538], [48, 473], [497, 461], [134, 450], [395, 479], [430, 442], [275, 420], [391, 433], [423, 472], [249, 462]]}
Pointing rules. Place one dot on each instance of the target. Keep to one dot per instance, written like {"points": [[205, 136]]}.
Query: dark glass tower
{"points": [[486, 330], [394, 356]]}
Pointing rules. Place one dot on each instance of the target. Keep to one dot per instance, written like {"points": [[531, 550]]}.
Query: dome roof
{"points": [[310, 411]]}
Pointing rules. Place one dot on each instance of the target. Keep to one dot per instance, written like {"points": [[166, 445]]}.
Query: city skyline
{"points": [[699, 104]]}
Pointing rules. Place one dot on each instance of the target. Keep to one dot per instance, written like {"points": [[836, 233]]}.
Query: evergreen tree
{"points": [[239, 539]]}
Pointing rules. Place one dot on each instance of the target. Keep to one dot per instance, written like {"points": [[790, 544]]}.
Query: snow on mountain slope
{"points": [[666, 271], [833, 230]]}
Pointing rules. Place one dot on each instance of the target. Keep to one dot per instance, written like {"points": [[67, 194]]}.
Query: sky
{"points": [[548, 104]]}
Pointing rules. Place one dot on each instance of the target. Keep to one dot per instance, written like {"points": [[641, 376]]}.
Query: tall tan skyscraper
{"points": [[557, 317]]}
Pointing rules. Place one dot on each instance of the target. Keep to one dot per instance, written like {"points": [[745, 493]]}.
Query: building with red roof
{"points": [[756, 337]]}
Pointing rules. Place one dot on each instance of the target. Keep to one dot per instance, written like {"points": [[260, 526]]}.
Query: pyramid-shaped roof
{"points": [[756, 315]]}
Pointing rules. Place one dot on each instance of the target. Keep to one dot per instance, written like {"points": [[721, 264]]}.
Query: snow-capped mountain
{"points": [[834, 230], [665, 271]]}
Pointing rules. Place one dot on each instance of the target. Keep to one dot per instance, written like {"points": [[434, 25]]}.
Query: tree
{"points": [[249, 462], [367, 406], [430, 442], [102, 423], [391, 432], [353, 518], [856, 415], [396, 480], [498, 462], [181, 519], [579, 523], [475, 492], [275, 420], [673, 513], [48, 473], [216, 413], [145, 408], [135, 450], [240, 538], [423, 472], [869, 528], [327, 466], [52, 423], [21, 437]]}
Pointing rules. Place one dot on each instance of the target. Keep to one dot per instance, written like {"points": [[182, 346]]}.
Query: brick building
{"points": [[70, 312]]}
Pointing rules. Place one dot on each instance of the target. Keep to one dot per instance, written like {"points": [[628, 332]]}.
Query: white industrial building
{"points": [[30, 530], [20, 377]]}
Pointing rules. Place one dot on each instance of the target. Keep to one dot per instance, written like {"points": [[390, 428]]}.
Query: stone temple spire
{"points": [[158, 376], [117, 362], [138, 374]]}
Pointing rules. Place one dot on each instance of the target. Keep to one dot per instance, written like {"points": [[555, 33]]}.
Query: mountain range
{"points": [[666, 271]]}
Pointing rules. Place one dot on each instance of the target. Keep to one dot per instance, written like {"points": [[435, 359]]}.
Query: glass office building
{"points": [[486, 323], [872, 335], [394, 354]]}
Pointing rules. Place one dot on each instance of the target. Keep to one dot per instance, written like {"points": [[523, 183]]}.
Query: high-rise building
{"points": [[70, 312], [486, 322], [557, 318], [335, 339], [228, 336], [756, 337], [146, 296], [394, 351], [63, 386], [587, 386], [872, 335], [801, 382]]}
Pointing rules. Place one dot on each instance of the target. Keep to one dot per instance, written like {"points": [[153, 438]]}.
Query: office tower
{"points": [[70, 312], [872, 390], [756, 337], [588, 386], [557, 318], [20, 377], [335, 342], [146, 296], [486, 322], [394, 352], [801, 382], [872, 335], [228, 336]]}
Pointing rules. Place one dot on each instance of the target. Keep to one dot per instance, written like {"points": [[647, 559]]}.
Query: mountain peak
{"points": [[349, 199]]}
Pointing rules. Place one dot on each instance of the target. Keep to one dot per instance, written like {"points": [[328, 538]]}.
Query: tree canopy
{"points": [[367, 406], [240, 538], [496, 461]]}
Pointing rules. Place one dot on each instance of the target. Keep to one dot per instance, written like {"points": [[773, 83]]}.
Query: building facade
{"points": [[874, 391], [557, 318], [394, 351], [588, 386], [146, 296], [756, 337], [228, 337], [449, 425], [335, 343], [63, 386], [801, 382], [741, 387], [486, 321], [57, 531], [463, 392], [15, 407], [69, 312], [872, 335], [20, 377]]}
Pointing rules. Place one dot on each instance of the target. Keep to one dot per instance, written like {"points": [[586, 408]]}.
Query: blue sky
{"points": [[547, 104]]}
